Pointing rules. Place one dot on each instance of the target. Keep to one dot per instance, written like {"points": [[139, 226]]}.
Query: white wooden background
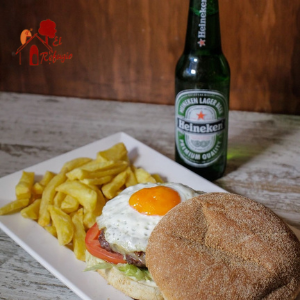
{"points": [[263, 161]]}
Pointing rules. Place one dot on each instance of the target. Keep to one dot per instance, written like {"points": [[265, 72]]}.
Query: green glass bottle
{"points": [[202, 94]]}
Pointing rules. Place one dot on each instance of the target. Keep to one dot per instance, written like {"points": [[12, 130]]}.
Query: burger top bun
{"points": [[224, 246]]}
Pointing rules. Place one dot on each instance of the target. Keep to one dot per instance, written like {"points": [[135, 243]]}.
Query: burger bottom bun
{"points": [[130, 287], [224, 246]]}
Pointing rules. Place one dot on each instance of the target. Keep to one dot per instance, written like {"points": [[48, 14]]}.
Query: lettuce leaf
{"points": [[94, 263], [99, 266], [136, 272]]}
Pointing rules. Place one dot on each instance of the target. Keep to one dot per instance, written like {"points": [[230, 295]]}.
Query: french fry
{"points": [[110, 168], [32, 211], [48, 197], [131, 179], [73, 164], [63, 224], [143, 176], [111, 189], [14, 206], [24, 187], [89, 217], [101, 165], [39, 187], [47, 178], [91, 166], [157, 178], [100, 197], [59, 198], [116, 152], [51, 229], [79, 235], [86, 196], [109, 172], [76, 174], [97, 181], [69, 204]]}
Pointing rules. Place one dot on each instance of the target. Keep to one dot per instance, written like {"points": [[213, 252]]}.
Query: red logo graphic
{"points": [[201, 43], [48, 30], [201, 115]]}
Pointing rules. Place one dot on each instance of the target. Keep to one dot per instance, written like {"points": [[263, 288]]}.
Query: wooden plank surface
{"points": [[127, 50], [263, 161]]}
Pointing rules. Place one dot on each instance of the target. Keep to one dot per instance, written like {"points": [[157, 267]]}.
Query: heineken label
{"points": [[200, 117]]}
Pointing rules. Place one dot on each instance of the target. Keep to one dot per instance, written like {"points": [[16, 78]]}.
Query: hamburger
{"points": [[212, 246], [116, 244]]}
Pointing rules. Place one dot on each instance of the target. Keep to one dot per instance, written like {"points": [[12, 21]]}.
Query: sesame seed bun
{"points": [[224, 246]]}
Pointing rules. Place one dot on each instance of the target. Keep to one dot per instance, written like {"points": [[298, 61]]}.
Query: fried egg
{"points": [[130, 217]]}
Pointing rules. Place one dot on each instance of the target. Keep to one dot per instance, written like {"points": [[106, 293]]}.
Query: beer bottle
{"points": [[202, 94]]}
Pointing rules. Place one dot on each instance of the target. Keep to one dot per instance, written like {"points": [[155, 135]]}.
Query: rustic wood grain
{"points": [[262, 42], [24, 278], [263, 161], [127, 50]]}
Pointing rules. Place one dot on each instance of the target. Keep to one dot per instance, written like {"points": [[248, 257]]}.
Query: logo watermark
{"points": [[42, 50]]}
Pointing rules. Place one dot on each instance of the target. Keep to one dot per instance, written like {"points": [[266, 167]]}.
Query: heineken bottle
{"points": [[202, 94]]}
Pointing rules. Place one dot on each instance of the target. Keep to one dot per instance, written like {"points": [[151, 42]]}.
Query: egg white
{"points": [[127, 229]]}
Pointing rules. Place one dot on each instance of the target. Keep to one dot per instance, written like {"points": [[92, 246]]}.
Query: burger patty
{"points": [[136, 258], [103, 242]]}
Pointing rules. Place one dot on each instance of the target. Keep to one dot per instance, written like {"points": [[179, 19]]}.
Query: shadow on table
{"points": [[253, 141]]}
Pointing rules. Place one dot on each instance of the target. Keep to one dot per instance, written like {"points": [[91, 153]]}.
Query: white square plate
{"points": [[60, 261]]}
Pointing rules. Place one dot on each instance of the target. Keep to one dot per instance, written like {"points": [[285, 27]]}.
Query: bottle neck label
{"points": [[202, 24], [203, 30], [200, 117]]}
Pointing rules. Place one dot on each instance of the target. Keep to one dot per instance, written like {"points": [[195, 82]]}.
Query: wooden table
{"points": [[263, 161]]}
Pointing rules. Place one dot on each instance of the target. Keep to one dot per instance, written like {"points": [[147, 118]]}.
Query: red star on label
{"points": [[201, 43], [201, 115]]}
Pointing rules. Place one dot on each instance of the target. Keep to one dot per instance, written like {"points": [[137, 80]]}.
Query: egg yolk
{"points": [[155, 200]]}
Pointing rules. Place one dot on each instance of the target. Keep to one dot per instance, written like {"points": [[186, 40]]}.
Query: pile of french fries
{"points": [[67, 204]]}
